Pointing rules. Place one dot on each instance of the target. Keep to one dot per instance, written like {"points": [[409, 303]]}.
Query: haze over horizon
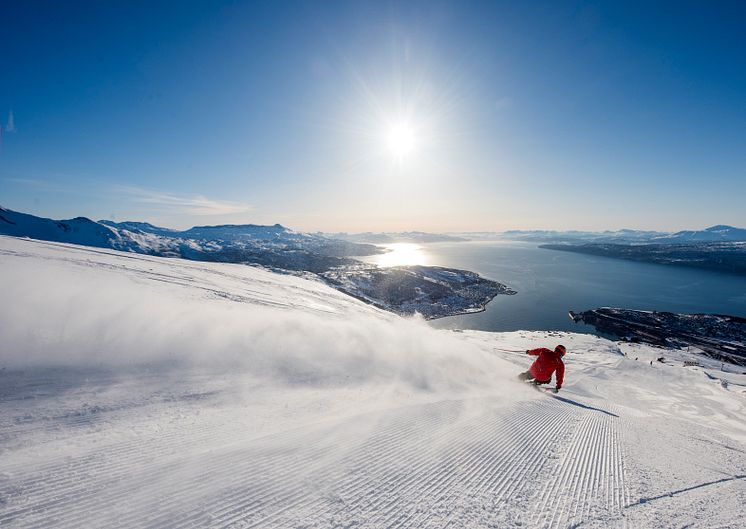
{"points": [[377, 116]]}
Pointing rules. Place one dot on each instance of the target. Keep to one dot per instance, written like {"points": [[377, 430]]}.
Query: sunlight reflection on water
{"points": [[402, 254]]}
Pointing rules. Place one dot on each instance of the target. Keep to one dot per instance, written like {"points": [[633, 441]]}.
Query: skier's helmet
{"points": [[561, 349]]}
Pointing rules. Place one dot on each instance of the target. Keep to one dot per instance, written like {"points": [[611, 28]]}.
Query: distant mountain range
{"points": [[719, 248], [718, 233], [273, 246], [396, 237], [430, 291], [728, 256], [581, 236], [143, 237]]}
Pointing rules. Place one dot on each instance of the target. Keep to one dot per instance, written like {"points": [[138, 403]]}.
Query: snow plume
{"points": [[74, 306]]}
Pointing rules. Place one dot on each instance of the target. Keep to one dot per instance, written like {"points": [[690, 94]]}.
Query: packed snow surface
{"points": [[138, 391]]}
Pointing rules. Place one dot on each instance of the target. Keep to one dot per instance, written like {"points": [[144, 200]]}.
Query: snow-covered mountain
{"points": [[718, 233], [430, 291], [141, 227], [272, 246], [79, 230], [252, 236], [138, 391], [720, 248], [142, 237], [619, 236], [626, 236]]}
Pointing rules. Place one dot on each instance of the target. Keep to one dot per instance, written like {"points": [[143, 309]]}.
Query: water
{"points": [[550, 283]]}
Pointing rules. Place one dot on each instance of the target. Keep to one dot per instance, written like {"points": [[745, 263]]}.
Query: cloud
{"points": [[188, 204], [24, 181]]}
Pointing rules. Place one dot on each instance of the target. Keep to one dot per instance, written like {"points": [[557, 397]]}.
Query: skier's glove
{"points": [[527, 351]]}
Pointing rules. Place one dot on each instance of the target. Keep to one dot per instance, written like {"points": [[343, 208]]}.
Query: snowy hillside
{"points": [[79, 230], [138, 391]]}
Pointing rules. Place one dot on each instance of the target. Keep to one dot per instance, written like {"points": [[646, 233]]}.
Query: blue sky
{"points": [[564, 115]]}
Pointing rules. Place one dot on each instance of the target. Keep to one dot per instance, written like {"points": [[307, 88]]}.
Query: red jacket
{"points": [[548, 362]]}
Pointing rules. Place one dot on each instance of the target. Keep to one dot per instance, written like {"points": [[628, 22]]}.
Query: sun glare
{"points": [[402, 254], [401, 139]]}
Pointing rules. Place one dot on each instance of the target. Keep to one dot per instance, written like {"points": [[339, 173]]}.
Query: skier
{"points": [[548, 362]]}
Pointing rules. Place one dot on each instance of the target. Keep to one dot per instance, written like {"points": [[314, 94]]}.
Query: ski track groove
{"points": [[622, 492], [239, 512], [579, 473], [457, 448], [422, 459], [472, 469], [266, 491], [585, 481], [95, 464], [404, 474], [416, 461], [582, 477], [534, 436], [445, 477], [443, 480], [370, 454], [590, 477], [124, 464]]}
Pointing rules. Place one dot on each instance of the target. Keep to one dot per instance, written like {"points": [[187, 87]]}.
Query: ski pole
{"points": [[509, 350]]}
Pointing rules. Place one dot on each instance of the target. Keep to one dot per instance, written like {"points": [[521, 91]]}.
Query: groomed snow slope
{"points": [[145, 392]]}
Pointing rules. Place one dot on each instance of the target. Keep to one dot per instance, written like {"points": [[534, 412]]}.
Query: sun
{"points": [[401, 139]]}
